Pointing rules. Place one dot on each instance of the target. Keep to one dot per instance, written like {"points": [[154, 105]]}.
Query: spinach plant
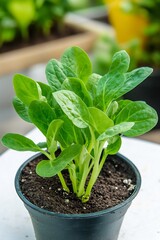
{"points": [[82, 113]]}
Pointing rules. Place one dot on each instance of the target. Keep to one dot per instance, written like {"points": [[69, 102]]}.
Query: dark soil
{"points": [[114, 185], [36, 37]]}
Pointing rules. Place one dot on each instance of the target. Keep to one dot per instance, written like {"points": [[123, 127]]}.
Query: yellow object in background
{"points": [[128, 24]]}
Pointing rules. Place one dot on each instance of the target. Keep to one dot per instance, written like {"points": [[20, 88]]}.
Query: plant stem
{"points": [[73, 177], [62, 180], [90, 147], [84, 175], [95, 172], [105, 154], [46, 154]]}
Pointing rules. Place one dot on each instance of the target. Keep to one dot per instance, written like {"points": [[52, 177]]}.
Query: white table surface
{"points": [[142, 221]]}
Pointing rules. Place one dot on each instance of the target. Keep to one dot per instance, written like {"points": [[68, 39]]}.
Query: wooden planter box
{"points": [[23, 58], [86, 21]]}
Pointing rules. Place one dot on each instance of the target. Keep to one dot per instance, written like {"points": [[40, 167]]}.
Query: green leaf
{"points": [[56, 74], [66, 135], [120, 105], [26, 89], [21, 109], [115, 130], [47, 93], [112, 109], [19, 143], [120, 62], [101, 120], [144, 117], [116, 86], [53, 129], [133, 79], [42, 144], [41, 115], [83, 137], [69, 133], [47, 168], [78, 87], [114, 147], [92, 84], [108, 88], [111, 83], [74, 108], [78, 61]]}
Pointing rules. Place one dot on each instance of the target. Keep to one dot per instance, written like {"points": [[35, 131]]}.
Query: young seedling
{"points": [[81, 113]]}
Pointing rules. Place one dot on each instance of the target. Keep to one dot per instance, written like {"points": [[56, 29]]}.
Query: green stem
{"points": [[85, 172], [46, 154], [81, 159], [73, 178], [105, 154], [63, 182], [84, 167], [90, 147], [95, 172]]}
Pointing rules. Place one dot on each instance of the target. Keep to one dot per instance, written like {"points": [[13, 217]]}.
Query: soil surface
{"points": [[115, 184], [36, 37]]}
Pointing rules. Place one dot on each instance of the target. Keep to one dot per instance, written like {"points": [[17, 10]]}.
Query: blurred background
{"points": [[34, 31]]}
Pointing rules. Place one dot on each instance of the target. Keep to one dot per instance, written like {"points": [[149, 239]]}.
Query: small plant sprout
{"points": [[81, 113]]}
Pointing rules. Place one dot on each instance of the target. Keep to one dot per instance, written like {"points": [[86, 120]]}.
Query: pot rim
{"points": [[82, 215]]}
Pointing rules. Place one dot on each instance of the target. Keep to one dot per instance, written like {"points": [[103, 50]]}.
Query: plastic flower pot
{"points": [[102, 225]]}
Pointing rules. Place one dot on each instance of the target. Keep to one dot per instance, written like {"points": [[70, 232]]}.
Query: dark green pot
{"points": [[103, 225]]}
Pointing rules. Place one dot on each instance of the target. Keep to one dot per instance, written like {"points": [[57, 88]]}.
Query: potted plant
{"points": [[34, 31], [82, 117]]}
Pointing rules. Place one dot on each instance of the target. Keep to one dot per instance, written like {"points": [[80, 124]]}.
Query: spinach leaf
{"points": [[112, 109], [120, 63], [19, 143], [26, 89], [79, 62], [69, 133], [110, 84], [41, 114], [114, 147], [133, 79], [74, 108], [55, 74], [101, 120], [52, 131], [92, 84], [115, 130], [21, 109], [77, 86], [47, 93], [144, 117], [47, 168]]}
